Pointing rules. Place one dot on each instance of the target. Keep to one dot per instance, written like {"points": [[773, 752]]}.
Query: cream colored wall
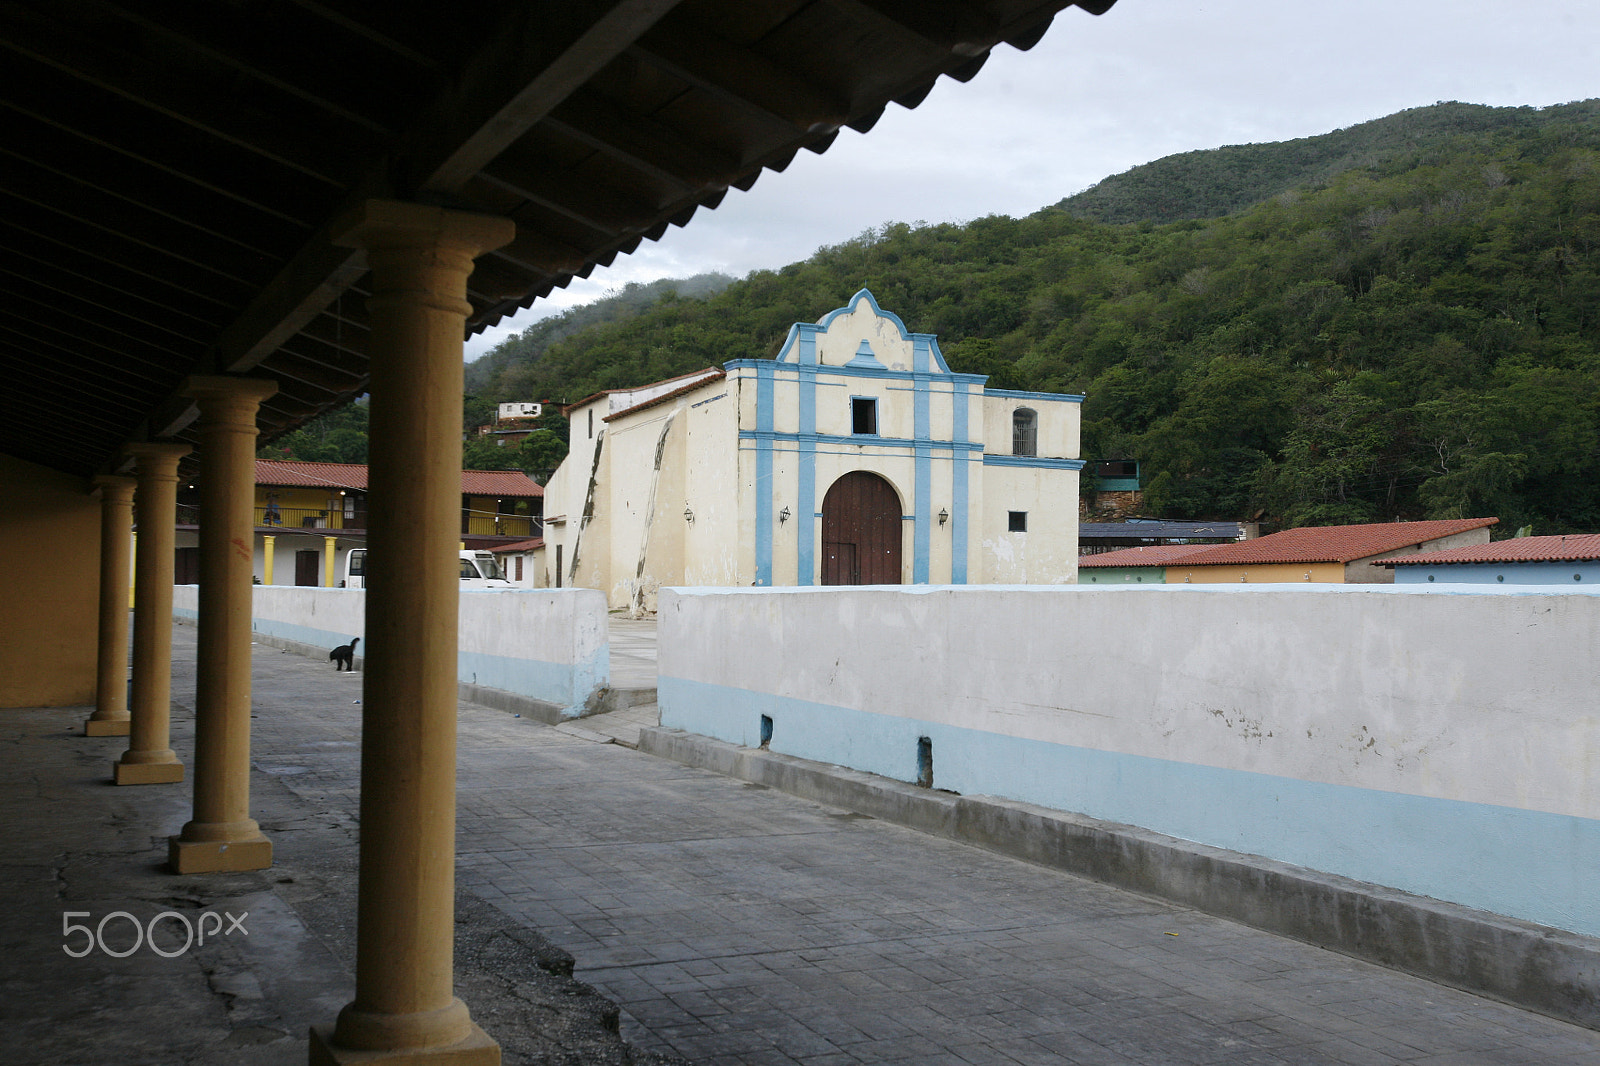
{"points": [[1058, 426], [1369, 572], [565, 495], [50, 569], [1047, 554], [846, 332], [625, 494], [708, 436]]}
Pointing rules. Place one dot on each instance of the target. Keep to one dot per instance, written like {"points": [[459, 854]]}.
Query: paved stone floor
{"points": [[738, 925]]}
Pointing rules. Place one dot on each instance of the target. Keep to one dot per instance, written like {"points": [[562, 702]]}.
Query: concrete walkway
{"points": [[733, 924]]}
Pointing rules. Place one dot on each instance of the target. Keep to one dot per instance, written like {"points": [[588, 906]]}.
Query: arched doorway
{"points": [[861, 531]]}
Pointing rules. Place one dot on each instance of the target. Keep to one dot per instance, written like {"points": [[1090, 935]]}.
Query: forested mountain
{"points": [[1416, 335], [526, 347], [1219, 181]]}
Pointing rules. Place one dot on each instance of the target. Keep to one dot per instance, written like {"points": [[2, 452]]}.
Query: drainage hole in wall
{"points": [[766, 730], [924, 762]]}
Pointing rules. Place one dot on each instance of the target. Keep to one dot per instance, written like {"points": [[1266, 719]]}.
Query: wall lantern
{"points": [[944, 516], [688, 516], [783, 516]]}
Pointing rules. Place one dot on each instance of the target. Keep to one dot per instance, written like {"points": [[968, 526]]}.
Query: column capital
{"points": [[384, 224], [115, 486], [204, 388], [158, 456]]}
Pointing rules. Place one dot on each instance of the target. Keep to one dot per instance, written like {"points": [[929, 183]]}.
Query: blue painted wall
{"points": [[1569, 574], [1529, 864]]}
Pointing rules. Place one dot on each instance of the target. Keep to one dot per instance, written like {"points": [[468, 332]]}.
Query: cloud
{"points": [[1099, 95]]}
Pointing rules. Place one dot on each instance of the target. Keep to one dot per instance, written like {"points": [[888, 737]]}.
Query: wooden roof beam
{"points": [[647, 145], [740, 77]]}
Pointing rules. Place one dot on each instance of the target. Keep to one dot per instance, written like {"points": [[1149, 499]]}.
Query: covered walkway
{"points": [[730, 923]]}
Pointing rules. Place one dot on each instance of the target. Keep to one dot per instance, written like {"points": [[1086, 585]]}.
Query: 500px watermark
{"points": [[209, 923]]}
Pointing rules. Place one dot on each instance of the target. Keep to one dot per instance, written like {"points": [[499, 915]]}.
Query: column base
{"points": [[218, 856], [106, 727], [478, 1049], [146, 773]]}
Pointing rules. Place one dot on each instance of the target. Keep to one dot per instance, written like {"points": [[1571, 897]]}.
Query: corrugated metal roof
{"points": [[1158, 530], [1573, 547], [299, 474], [1333, 544]]}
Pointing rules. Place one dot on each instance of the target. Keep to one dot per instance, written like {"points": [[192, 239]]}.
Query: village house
{"points": [[1571, 560], [1341, 555], [309, 515], [855, 457]]}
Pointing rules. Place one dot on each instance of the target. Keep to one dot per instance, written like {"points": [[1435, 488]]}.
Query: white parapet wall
{"points": [[550, 645], [1443, 743]]}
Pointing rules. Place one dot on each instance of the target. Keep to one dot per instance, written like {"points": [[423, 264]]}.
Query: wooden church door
{"points": [[861, 531]]}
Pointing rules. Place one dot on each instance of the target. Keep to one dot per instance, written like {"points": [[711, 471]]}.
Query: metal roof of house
{"points": [[1333, 544], [174, 171], [1572, 547], [1159, 530], [299, 474]]}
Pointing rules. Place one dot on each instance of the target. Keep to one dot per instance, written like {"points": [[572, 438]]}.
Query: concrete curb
{"points": [[1531, 966]]}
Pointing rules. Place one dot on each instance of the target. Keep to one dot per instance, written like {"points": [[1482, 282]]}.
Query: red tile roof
{"points": [[1146, 555], [1333, 544], [296, 473], [499, 483], [519, 546], [1574, 547], [310, 475]]}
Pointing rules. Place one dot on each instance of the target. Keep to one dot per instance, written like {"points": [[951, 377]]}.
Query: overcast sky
{"points": [[1101, 94]]}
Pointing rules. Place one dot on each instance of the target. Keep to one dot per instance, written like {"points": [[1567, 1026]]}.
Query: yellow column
{"points": [[329, 555], [404, 1005], [267, 543], [149, 759], [222, 836], [110, 717]]}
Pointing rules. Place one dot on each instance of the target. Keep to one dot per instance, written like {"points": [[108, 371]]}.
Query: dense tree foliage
{"points": [[500, 366], [1409, 329], [1208, 184], [340, 436]]}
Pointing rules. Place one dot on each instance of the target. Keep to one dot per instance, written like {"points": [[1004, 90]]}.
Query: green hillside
{"points": [[1414, 335], [1219, 181], [526, 347]]}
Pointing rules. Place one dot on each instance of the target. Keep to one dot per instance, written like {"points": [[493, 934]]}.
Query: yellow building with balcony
{"points": [[309, 515]]}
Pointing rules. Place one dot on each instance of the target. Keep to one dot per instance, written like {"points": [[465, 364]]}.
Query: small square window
{"points": [[1018, 521], [863, 415]]}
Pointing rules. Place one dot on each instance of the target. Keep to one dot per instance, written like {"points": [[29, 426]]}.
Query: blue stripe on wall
{"points": [[922, 485], [960, 506], [1526, 864], [763, 486], [805, 530]]}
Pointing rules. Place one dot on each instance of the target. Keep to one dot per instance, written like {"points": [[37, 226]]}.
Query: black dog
{"points": [[344, 657]]}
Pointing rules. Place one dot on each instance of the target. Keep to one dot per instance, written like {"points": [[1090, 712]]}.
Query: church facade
{"points": [[855, 457]]}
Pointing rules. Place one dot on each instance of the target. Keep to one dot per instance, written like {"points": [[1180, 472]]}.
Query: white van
{"points": [[479, 570]]}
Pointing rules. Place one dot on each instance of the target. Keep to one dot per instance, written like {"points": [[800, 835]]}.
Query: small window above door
{"points": [[864, 415]]}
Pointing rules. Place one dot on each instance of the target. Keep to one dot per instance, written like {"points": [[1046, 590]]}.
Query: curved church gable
{"points": [[864, 336]]}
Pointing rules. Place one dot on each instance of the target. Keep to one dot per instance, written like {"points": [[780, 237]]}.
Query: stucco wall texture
{"points": [[50, 569], [1443, 743]]}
